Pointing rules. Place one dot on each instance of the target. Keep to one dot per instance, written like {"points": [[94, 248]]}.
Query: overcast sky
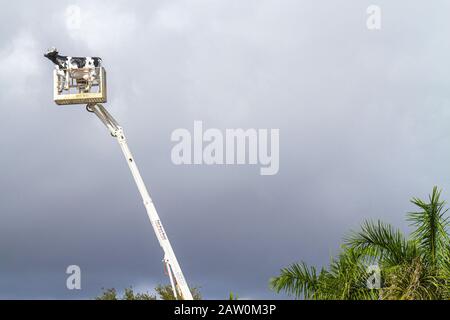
{"points": [[363, 118]]}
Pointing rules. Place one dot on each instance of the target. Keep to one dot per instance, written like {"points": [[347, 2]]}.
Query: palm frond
{"points": [[298, 279], [382, 241], [431, 226], [347, 277]]}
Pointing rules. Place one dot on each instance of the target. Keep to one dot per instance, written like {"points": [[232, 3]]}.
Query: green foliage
{"points": [[298, 279], [345, 279], [130, 295], [233, 296], [411, 268], [431, 228], [111, 294], [164, 292], [108, 294]]}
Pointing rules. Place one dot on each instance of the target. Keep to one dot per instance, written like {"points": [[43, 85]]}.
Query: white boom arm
{"points": [[177, 280]]}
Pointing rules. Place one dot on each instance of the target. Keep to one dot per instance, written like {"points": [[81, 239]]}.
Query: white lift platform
{"points": [[88, 86], [69, 90]]}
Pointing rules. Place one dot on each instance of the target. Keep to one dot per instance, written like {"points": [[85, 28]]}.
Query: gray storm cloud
{"points": [[363, 119]]}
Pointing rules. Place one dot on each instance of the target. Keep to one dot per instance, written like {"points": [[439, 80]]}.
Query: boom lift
{"points": [[86, 84]]}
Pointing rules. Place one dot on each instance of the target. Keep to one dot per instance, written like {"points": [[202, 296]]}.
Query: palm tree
{"points": [[417, 267]]}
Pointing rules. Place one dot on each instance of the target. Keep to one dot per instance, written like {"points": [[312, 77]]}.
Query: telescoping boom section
{"points": [[179, 286]]}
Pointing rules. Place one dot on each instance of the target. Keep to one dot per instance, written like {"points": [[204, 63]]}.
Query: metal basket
{"points": [[79, 86]]}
